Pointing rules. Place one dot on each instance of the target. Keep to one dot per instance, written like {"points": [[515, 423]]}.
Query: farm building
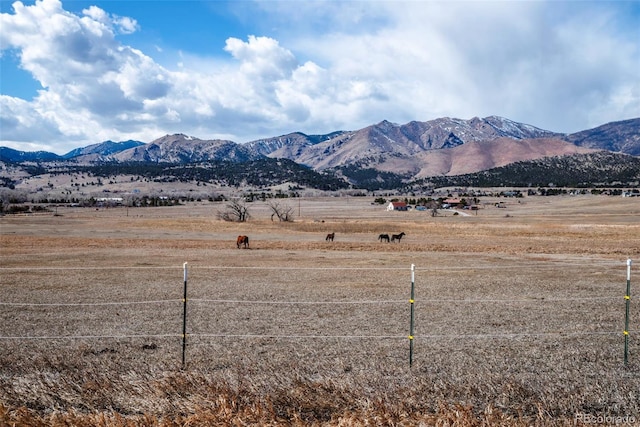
{"points": [[452, 203], [397, 206]]}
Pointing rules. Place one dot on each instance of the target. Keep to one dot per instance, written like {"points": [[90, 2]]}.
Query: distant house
{"points": [[452, 203], [397, 206]]}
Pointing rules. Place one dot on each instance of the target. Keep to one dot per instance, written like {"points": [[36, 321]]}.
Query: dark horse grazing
{"points": [[330, 237], [384, 237], [397, 237], [242, 240]]}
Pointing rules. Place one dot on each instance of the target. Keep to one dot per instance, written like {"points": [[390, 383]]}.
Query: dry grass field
{"points": [[519, 314]]}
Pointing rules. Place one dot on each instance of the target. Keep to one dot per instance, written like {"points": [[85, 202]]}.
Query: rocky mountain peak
{"points": [[621, 137], [442, 146]]}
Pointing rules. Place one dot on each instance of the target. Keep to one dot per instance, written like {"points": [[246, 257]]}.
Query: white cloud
{"points": [[122, 25], [262, 57], [97, 14], [337, 65], [20, 121], [125, 25]]}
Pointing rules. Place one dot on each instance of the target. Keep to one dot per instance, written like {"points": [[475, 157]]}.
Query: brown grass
{"points": [[507, 330]]}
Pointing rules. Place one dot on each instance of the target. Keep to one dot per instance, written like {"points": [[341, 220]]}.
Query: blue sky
{"points": [[75, 73]]}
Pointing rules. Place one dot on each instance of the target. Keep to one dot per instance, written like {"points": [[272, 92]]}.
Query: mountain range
{"points": [[415, 150]]}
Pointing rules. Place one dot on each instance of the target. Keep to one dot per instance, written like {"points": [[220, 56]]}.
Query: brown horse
{"points": [[397, 237], [330, 237], [242, 240]]}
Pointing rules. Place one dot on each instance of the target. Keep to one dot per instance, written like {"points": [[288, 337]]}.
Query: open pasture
{"points": [[519, 314]]}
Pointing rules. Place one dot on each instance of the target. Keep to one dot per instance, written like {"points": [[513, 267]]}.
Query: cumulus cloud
{"points": [[262, 57], [92, 84], [556, 65], [120, 24], [20, 121]]}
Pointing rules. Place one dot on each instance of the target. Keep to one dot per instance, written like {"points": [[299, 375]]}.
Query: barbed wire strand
{"points": [[429, 336], [224, 301], [76, 304], [119, 267], [228, 267], [481, 300], [299, 336], [194, 267], [86, 337], [273, 336]]}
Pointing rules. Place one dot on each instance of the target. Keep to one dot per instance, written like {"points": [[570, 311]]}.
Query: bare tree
{"points": [[283, 212], [236, 211]]}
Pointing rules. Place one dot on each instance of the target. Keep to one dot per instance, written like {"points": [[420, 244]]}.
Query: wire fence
{"points": [[202, 328]]}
